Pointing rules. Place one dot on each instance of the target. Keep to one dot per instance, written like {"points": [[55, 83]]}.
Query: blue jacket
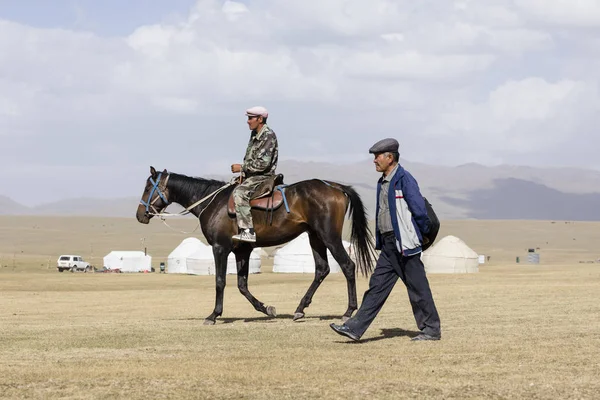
{"points": [[408, 213]]}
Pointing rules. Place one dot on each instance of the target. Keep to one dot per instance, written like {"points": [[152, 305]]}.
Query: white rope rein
{"points": [[188, 209], [163, 215]]}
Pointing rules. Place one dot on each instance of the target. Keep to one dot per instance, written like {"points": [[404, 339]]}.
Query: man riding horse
{"points": [[315, 206], [258, 167]]}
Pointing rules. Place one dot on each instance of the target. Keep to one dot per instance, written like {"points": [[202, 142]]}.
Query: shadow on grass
{"points": [[229, 320], [326, 317], [265, 318], [385, 334]]}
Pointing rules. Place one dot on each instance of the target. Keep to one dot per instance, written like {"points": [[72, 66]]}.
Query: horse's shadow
{"points": [[326, 317], [230, 320], [266, 318], [387, 334]]}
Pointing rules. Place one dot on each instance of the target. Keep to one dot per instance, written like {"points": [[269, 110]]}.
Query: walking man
{"points": [[401, 222]]}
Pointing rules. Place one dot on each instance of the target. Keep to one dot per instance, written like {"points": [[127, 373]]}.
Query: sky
{"points": [[94, 92]]}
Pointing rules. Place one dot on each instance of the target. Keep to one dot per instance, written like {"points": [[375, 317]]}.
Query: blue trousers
{"points": [[392, 265]]}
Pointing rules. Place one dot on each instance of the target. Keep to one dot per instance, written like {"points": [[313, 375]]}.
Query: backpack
{"points": [[434, 226]]}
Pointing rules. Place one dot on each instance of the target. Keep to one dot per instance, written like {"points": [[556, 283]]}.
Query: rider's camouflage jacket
{"points": [[262, 153]]}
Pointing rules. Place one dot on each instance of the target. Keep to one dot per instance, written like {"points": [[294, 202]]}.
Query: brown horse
{"points": [[315, 206]]}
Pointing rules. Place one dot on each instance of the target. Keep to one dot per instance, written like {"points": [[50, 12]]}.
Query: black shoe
{"points": [[345, 331], [424, 336]]}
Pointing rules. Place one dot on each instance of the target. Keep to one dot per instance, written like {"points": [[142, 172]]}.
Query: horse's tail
{"points": [[361, 235]]}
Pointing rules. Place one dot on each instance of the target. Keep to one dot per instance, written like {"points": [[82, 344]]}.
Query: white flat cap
{"points": [[257, 111]]}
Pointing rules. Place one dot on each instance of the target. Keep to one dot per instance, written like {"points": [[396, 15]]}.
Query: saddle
{"points": [[265, 199]]}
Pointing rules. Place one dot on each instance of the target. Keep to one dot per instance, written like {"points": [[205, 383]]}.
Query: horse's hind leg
{"points": [[321, 271], [242, 258], [348, 267]]}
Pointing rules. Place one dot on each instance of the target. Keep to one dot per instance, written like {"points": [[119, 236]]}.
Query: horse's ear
{"points": [[165, 171], [153, 172]]}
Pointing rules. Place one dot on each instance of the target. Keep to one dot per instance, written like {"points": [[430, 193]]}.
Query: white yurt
{"points": [[202, 262], [297, 257], [261, 252], [128, 261], [177, 260], [255, 262], [450, 255]]}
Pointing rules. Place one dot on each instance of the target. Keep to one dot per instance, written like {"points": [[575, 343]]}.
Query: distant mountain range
{"points": [[469, 191]]}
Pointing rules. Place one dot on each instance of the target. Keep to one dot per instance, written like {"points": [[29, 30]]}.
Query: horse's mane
{"points": [[194, 186]]}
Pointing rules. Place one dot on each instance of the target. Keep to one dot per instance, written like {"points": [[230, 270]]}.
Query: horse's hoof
{"points": [[344, 318], [298, 316], [208, 322], [271, 312]]}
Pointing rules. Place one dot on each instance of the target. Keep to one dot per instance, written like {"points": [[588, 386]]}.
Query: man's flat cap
{"points": [[257, 111], [384, 146]]}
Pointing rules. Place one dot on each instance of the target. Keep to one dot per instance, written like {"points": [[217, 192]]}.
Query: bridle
{"points": [[156, 189]]}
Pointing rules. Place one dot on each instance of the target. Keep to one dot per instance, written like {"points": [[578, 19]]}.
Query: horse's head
{"points": [[155, 197]]}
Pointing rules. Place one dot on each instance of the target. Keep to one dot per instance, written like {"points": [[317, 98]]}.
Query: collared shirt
{"points": [[262, 153], [384, 220]]}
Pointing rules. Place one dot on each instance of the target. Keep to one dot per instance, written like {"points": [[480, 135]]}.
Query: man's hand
{"points": [[236, 168]]}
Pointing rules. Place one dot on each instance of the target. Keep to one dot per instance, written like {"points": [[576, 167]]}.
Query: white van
{"points": [[72, 263]]}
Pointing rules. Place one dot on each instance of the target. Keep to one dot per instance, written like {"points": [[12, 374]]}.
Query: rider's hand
{"points": [[236, 168]]}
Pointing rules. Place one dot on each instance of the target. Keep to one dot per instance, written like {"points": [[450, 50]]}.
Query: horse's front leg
{"points": [[220, 255], [242, 258]]}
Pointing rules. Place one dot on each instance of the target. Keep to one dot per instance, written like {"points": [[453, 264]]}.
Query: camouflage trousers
{"points": [[241, 198]]}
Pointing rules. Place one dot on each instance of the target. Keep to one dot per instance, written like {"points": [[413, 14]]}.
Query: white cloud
{"points": [[177, 105], [234, 10], [530, 99], [576, 13], [392, 37], [412, 65], [495, 81], [8, 106], [519, 41], [531, 117]]}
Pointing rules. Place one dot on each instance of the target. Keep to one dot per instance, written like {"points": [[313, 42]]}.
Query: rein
{"points": [[187, 210], [163, 215]]}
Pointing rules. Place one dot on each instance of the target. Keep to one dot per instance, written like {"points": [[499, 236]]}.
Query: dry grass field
{"points": [[509, 331]]}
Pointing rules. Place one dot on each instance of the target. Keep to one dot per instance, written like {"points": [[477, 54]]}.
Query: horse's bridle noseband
{"points": [[160, 195]]}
